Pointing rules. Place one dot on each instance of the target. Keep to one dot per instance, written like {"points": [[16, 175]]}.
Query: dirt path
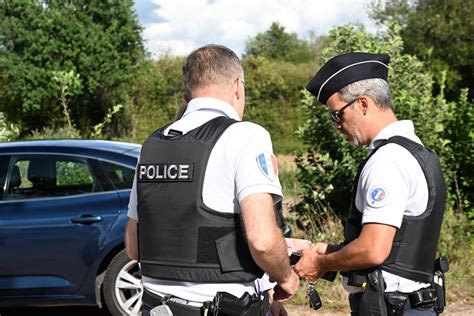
{"points": [[454, 309], [465, 308]]}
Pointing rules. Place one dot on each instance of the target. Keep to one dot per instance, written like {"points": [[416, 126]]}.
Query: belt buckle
{"points": [[161, 310], [429, 296]]}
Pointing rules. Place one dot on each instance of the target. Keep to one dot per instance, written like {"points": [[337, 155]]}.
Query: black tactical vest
{"points": [[415, 243], [179, 237]]}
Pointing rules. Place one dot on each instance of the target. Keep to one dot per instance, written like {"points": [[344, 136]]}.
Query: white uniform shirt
{"points": [[391, 185], [232, 174]]}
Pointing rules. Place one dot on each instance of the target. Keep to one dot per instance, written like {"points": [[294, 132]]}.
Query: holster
{"points": [[372, 301], [226, 304], [440, 268]]}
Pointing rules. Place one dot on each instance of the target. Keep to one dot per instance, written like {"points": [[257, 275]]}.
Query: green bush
{"points": [[8, 132], [272, 99], [158, 94], [55, 133]]}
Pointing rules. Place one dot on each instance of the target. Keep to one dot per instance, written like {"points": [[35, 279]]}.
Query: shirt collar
{"points": [[211, 104], [403, 128]]}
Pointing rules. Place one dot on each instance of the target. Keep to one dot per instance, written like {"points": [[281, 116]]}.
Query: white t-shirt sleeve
{"points": [[255, 166], [383, 191], [132, 203]]}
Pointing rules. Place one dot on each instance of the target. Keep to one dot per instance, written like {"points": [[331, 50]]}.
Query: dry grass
{"points": [[287, 175]]}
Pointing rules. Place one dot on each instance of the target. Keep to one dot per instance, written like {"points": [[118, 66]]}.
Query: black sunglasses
{"points": [[336, 116]]}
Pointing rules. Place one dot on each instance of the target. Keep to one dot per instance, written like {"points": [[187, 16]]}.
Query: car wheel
{"points": [[123, 288]]}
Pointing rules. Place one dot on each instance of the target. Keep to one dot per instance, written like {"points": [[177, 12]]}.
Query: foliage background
{"points": [[98, 40], [439, 32], [84, 62]]}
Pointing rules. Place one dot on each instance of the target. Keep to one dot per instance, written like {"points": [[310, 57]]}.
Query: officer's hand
{"points": [[287, 289], [309, 266]]}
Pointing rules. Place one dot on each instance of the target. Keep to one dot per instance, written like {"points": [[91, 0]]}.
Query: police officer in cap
{"points": [[201, 213], [398, 200]]}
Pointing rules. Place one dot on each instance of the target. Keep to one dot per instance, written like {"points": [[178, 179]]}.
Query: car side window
{"points": [[120, 176], [4, 162], [49, 176], [74, 177]]}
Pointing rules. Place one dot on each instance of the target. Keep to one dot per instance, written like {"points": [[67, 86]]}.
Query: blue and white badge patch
{"points": [[377, 197], [267, 163]]}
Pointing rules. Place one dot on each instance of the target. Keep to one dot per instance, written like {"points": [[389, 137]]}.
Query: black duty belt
{"points": [[179, 309], [419, 299], [422, 298]]}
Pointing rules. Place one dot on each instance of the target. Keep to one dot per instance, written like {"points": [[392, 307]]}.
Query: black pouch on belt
{"points": [[227, 304], [396, 304], [440, 268], [372, 301]]}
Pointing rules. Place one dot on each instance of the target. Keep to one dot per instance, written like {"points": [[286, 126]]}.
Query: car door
{"points": [[121, 176], [53, 219]]}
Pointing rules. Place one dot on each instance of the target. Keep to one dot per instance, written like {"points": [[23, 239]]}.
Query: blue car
{"points": [[63, 210]]}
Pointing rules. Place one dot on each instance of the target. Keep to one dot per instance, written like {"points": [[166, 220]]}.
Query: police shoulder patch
{"points": [[267, 163], [377, 196]]}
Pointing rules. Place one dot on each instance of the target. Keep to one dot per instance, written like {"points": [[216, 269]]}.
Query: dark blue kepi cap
{"points": [[345, 69]]}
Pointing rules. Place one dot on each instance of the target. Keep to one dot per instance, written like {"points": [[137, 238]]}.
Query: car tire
{"points": [[122, 287]]}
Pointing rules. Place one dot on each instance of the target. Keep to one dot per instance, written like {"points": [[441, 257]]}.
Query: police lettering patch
{"points": [[267, 163], [377, 197], [165, 172]]}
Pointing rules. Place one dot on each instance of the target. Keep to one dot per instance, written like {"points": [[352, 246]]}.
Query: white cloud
{"points": [[182, 26]]}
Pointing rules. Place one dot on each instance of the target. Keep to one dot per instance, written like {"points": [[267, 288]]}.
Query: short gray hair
{"points": [[377, 89], [210, 65]]}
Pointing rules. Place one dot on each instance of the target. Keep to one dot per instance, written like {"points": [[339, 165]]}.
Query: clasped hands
{"points": [[310, 267]]}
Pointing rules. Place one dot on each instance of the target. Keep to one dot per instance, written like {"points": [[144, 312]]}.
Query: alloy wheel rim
{"points": [[129, 289]]}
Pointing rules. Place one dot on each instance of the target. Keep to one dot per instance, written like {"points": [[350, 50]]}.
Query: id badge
{"points": [[162, 310]]}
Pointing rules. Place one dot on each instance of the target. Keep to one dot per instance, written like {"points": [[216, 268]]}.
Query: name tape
{"points": [[165, 172]]}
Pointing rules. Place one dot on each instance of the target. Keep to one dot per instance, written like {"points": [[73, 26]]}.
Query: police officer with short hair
{"points": [[201, 213], [398, 200]]}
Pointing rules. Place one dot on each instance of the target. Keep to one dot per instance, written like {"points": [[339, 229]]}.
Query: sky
{"points": [[179, 26]]}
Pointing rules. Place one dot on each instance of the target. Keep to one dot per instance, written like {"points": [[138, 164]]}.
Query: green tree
{"points": [[99, 40], [277, 66], [276, 44], [439, 32], [158, 94]]}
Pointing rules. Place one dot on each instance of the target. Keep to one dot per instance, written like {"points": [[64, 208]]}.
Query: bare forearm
{"points": [[266, 242], [273, 258], [370, 249], [350, 257], [131, 239]]}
